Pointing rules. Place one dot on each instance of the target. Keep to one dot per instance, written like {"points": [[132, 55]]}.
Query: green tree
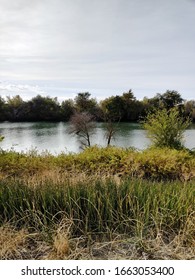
{"points": [[151, 103], [189, 109], [170, 99], [84, 103], [129, 102], [121, 108], [67, 109], [3, 110], [165, 128], [15, 105], [132, 108], [113, 108], [44, 109]]}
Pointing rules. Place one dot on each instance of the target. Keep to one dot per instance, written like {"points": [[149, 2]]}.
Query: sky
{"points": [[59, 48]]}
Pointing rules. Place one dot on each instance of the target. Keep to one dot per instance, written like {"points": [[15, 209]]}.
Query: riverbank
{"points": [[103, 203]]}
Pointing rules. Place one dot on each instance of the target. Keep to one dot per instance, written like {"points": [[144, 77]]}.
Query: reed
{"points": [[95, 206]]}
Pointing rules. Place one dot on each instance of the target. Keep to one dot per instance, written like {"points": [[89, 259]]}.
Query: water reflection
{"points": [[55, 138]]}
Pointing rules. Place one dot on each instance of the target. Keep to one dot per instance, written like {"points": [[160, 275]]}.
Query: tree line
{"points": [[124, 107]]}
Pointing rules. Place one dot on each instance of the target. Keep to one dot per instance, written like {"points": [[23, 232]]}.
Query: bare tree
{"points": [[83, 125], [111, 130], [111, 127]]}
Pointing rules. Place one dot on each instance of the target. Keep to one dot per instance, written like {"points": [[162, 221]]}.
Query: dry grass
{"points": [[12, 242], [60, 241], [20, 244], [175, 250]]}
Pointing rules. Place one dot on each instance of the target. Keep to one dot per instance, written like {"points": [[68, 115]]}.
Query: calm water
{"points": [[54, 137]]}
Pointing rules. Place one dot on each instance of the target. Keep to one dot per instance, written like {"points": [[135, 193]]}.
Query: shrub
{"points": [[166, 128]]}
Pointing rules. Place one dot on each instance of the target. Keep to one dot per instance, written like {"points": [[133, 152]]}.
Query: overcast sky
{"points": [[62, 47]]}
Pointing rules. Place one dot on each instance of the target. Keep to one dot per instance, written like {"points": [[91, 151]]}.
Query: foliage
{"points": [[161, 164], [124, 107], [166, 127], [189, 109], [67, 109], [15, 107], [112, 108], [121, 108], [167, 100], [84, 103], [3, 109], [44, 109], [170, 99], [158, 164]]}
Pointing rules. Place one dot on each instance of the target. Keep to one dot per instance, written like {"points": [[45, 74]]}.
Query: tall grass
{"points": [[133, 207]]}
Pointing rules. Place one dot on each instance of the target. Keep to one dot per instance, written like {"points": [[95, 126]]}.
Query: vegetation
{"points": [[166, 127], [146, 216], [157, 164], [117, 108], [100, 203]]}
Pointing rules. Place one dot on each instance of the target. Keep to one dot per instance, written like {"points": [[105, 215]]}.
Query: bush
{"points": [[154, 163], [166, 128]]}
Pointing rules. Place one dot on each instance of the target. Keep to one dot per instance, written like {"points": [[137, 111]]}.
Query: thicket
{"points": [[153, 163]]}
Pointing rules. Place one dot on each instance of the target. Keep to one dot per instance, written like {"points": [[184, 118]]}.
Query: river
{"points": [[54, 137]]}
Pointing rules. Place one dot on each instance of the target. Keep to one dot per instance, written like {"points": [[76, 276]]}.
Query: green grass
{"points": [[133, 207]]}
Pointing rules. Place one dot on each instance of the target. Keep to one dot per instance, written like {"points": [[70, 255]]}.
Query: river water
{"points": [[55, 138]]}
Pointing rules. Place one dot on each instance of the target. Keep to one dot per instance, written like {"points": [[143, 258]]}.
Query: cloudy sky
{"points": [[62, 47]]}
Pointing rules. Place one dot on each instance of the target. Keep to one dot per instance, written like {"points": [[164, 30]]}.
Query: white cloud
{"points": [[25, 91]]}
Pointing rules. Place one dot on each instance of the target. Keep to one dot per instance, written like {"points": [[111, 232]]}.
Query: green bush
{"points": [[154, 163], [165, 128]]}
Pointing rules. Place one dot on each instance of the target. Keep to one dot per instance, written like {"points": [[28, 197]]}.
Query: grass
{"points": [[119, 207]]}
